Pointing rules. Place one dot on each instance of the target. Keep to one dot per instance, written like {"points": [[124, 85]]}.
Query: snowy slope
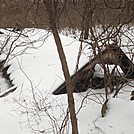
{"points": [[36, 70]]}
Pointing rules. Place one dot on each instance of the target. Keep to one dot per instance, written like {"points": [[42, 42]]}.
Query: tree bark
{"points": [[87, 18], [51, 11]]}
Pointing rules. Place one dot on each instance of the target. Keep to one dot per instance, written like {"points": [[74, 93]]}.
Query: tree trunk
{"points": [[88, 18], [51, 11]]}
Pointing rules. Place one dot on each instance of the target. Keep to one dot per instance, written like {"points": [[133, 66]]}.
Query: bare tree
{"points": [[50, 6]]}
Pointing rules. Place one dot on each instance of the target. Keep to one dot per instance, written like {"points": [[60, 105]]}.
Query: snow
{"points": [[36, 71]]}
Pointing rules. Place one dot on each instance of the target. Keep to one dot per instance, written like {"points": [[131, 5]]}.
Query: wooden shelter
{"points": [[84, 78]]}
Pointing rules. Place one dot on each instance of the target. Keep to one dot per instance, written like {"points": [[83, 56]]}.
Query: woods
{"points": [[31, 13]]}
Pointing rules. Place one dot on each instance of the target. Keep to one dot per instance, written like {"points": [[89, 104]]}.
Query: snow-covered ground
{"points": [[36, 71]]}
